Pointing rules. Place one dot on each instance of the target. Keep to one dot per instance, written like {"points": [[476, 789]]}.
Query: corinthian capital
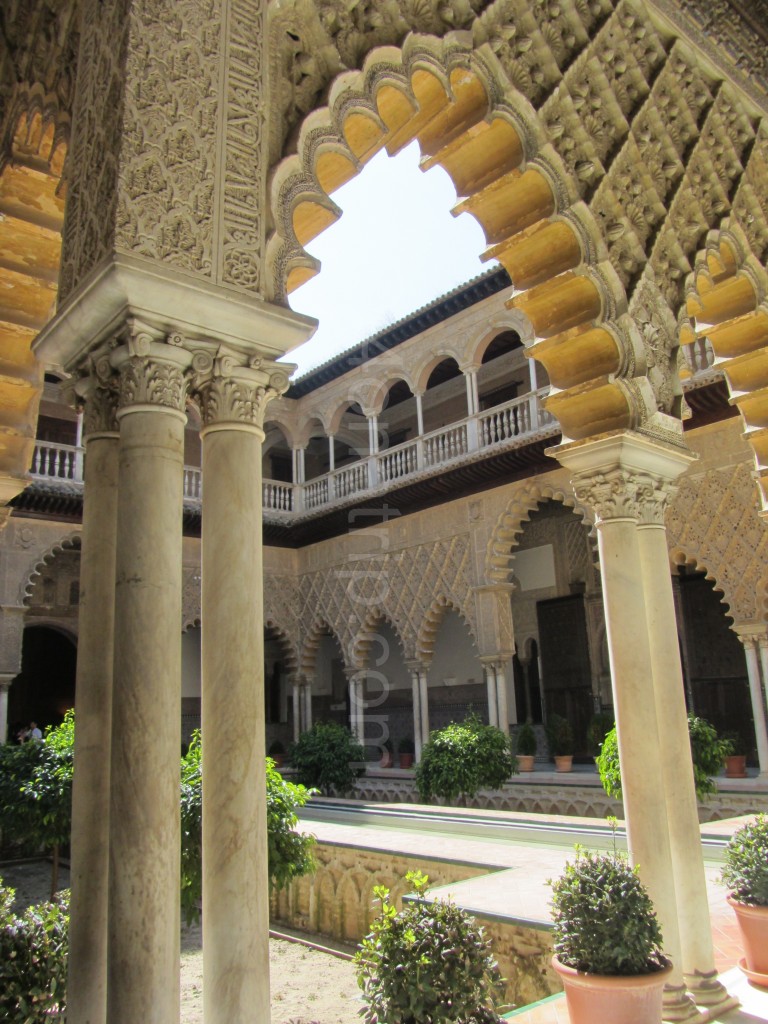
{"points": [[152, 371], [230, 393], [615, 494], [100, 410]]}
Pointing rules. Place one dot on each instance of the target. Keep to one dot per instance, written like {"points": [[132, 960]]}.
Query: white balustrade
{"points": [[442, 446], [699, 356], [316, 493], [350, 480], [57, 462], [399, 462], [277, 497], [193, 484]]}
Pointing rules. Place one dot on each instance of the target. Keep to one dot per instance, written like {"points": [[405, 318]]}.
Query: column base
{"points": [[677, 1005], [710, 995]]}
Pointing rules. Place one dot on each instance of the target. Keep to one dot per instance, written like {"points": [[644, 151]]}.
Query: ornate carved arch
{"points": [[427, 635], [308, 656], [727, 301], [281, 636], [470, 120], [366, 637], [69, 543], [480, 340], [499, 554]]}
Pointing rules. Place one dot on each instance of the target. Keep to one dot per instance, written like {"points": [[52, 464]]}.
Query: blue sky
{"points": [[395, 248]]}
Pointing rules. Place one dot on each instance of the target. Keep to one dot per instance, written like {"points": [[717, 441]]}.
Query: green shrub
{"points": [[526, 740], [707, 752], [290, 853], [328, 757], [33, 960], [604, 921], [746, 863], [600, 724], [462, 759], [428, 964]]}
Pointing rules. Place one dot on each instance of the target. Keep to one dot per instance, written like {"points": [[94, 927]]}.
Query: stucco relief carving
{"points": [[713, 522], [658, 330], [145, 381], [402, 585]]}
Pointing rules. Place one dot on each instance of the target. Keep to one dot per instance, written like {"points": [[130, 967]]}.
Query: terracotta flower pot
{"points": [[736, 766], [620, 999], [406, 760], [525, 762], [563, 762], [753, 925]]}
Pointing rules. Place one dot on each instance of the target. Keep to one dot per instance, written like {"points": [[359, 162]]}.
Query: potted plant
{"points": [[736, 761], [429, 962], [560, 738], [607, 942], [746, 875], [526, 747], [407, 750], [277, 753]]}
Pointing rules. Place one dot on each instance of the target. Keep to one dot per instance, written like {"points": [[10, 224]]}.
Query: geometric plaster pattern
{"points": [[713, 523], [407, 588], [39, 563]]}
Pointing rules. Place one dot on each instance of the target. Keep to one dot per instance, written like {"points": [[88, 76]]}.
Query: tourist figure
{"points": [[34, 732]]}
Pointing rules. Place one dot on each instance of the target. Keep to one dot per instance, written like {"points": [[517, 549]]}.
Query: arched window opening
{"points": [[445, 400]]}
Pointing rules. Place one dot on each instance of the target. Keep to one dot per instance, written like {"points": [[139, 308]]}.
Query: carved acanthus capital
{"points": [[230, 393], [152, 370], [615, 494], [100, 410]]}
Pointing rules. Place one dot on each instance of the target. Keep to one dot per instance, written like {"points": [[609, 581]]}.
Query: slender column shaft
{"points": [[756, 693], [493, 699], [4, 687], [419, 414], [235, 878], [416, 714], [354, 708], [146, 737], [296, 693], [331, 452], [682, 810], [470, 393], [424, 706], [307, 706], [502, 698], [639, 748], [89, 862]]}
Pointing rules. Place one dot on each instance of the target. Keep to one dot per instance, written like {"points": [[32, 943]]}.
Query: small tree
{"points": [[430, 962], [36, 791], [462, 759], [290, 853], [327, 757], [707, 752]]}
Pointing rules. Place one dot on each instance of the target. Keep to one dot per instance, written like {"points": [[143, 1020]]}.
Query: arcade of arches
{"points": [[570, 447]]}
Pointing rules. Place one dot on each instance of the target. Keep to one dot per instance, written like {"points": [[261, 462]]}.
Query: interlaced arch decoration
{"points": [[310, 647], [366, 639], [727, 302], [71, 542], [290, 656], [468, 118], [499, 554]]}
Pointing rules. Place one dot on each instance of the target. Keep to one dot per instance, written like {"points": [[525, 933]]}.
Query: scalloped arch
{"points": [[427, 635], [727, 302], [470, 120], [308, 656], [499, 553], [69, 543], [678, 556], [366, 637], [281, 636]]}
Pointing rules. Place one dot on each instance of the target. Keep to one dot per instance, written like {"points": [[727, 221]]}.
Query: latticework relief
{"points": [[282, 607], [402, 585], [713, 523]]}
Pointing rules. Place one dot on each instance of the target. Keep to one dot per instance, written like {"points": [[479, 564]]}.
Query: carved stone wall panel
{"points": [[713, 522]]}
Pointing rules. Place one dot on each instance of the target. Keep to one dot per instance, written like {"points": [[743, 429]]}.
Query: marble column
{"points": [[756, 695], [89, 869], [424, 705], [143, 977], [493, 699], [502, 698], [419, 412], [698, 961], [235, 875], [416, 699], [5, 685], [307, 690], [608, 476], [296, 693]]}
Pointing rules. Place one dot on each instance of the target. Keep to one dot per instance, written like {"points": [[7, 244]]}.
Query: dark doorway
{"points": [[565, 664], [45, 688]]}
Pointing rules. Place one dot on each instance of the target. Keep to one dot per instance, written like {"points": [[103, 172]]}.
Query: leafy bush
{"points": [[526, 740], [428, 964], [328, 757], [746, 863], [463, 758], [707, 751], [33, 960], [559, 736], [604, 921], [290, 853], [600, 724]]}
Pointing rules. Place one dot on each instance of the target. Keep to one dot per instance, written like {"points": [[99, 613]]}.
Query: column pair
{"points": [[420, 696], [627, 480], [756, 654]]}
